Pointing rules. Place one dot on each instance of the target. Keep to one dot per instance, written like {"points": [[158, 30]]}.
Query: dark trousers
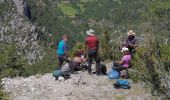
{"points": [[61, 60], [74, 66], [118, 66], [131, 50], [93, 54]]}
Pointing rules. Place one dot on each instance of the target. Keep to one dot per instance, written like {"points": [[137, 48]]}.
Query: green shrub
{"points": [[151, 65]]}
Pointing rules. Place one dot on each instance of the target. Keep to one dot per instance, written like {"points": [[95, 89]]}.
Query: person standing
{"points": [[62, 51], [92, 46]]}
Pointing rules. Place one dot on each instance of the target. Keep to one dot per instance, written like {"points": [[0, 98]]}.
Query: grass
{"points": [[67, 10]]}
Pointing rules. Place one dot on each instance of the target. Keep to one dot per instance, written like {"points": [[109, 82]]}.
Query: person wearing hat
{"points": [[62, 51], [92, 46], [124, 63], [131, 42]]}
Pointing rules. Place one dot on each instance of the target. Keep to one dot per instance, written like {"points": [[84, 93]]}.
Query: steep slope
{"points": [[16, 29]]}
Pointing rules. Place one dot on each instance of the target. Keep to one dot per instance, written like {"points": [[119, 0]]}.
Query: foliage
{"points": [[105, 51], [67, 10], [11, 63], [3, 9], [151, 65], [3, 96], [77, 47]]}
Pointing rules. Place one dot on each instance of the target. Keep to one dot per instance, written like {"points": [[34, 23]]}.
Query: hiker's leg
{"points": [[66, 59], [97, 60], [60, 62], [74, 66], [132, 53], [115, 65], [71, 66], [89, 63]]}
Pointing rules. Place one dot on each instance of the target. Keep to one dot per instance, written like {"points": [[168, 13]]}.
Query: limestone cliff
{"points": [[15, 28]]}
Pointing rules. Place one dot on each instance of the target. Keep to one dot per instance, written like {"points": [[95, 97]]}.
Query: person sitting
{"points": [[131, 42], [124, 63], [75, 64]]}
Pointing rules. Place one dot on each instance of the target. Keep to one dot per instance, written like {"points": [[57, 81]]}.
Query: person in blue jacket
{"points": [[62, 51]]}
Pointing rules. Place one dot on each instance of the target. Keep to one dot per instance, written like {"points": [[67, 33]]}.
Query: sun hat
{"points": [[124, 49], [90, 32], [131, 32]]}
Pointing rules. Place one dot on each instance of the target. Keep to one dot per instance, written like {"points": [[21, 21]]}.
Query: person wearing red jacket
{"points": [[92, 46]]}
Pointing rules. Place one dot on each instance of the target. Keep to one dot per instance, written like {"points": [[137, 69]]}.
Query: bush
{"points": [[151, 65]]}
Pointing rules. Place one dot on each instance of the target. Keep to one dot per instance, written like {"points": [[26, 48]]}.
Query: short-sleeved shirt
{"points": [[126, 60], [61, 48]]}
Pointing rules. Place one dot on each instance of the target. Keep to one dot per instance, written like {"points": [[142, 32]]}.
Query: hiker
{"points": [[131, 42], [62, 51], [79, 58], [124, 63], [92, 46]]}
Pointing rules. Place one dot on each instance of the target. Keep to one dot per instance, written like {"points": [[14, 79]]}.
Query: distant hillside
{"points": [[115, 16]]}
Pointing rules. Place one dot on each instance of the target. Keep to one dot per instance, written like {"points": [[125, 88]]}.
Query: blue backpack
{"points": [[124, 84], [57, 73], [113, 74]]}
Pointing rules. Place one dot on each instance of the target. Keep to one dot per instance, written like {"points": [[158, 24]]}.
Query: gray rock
{"points": [[88, 87], [22, 7]]}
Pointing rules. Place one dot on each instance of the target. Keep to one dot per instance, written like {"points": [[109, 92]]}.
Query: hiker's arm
{"points": [[119, 62], [133, 45], [84, 59], [65, 50]]}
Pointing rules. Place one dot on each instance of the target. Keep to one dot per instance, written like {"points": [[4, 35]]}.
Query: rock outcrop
{"points": [[16, 29], [23, 8], [81, 86]]}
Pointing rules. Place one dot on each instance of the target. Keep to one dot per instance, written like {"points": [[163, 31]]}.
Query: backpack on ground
{"points": [[84, 65], [124, 84], [103, 69], [124, 74], [113, 74], [57, 73], [64, 72]]}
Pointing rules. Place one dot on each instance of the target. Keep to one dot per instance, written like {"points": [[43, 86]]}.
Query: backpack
{"points": [[113, 74], [124, 84], [103, 69], [57, 73], [56, 44]]}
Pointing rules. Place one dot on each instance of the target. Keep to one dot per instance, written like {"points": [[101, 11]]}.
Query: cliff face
{"points": [[22, 7], [15, 28]]}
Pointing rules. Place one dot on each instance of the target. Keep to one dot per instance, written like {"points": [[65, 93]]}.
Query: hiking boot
{"points": [[74, 72], [97, 73], [90, 73]]}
